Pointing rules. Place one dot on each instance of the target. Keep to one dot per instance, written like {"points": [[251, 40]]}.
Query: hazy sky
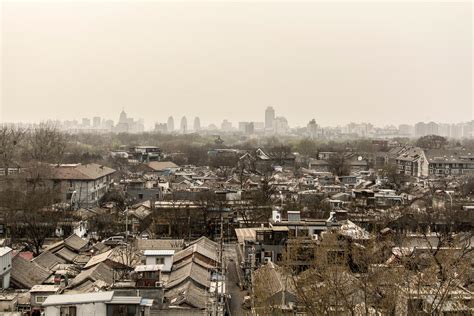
{"points": [[337, 62]]}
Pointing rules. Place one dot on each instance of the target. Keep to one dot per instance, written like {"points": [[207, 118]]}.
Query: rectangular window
{"points": [[67, 311], [40, 299], [159, 260]]}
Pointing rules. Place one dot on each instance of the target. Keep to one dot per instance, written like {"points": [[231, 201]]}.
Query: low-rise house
{"points": [[5, 266], [159, 168], [101, 303], [188, 286], [318, 165], [412, 162], [144, 153], [148, 275], [160, 257], [8, 302], [39, 293], [88, 278], [450, 162], [274, 289], [48, 260], [26, 274], [144, 189], [81, 185], [159, 244]]}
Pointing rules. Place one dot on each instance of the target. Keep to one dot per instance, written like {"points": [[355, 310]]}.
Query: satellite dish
{"points": [[359, 158]]}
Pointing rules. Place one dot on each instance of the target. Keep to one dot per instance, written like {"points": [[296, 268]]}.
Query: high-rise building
{"points": [[226, 126], [246, 127], [405, 130], [197, 124], [259, 126], [280, 125], [86, 122], [184, 125], [312, 128], [161, 127], [96, 121], [269, 118], [122, 125], [109, 124], [420, 129], [432, 128], [170, 125]]}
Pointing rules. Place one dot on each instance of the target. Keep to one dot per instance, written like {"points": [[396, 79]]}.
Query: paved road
{"points": [[232, 278]]}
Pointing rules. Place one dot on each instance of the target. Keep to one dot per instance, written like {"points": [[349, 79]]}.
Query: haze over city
{"points": [[383, 63]]}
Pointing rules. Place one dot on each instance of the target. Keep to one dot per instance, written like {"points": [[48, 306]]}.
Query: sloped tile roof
{"points": [[91, 171], [26, 274], [48, 260]]}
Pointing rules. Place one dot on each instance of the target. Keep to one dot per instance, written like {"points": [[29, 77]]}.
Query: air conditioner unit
{"points": [[158, 284], [267, 259]]}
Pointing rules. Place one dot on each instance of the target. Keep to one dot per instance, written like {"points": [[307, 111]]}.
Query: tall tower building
{"points": [[96, 122], [197, 124], [269, 118], [170, 125], [184, 125]]}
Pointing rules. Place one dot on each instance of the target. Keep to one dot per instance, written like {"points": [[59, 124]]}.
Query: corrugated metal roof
{"points": [[158, 252], [78, 298], [149, 267], [146, 302], [4, 250], [126, 300]]}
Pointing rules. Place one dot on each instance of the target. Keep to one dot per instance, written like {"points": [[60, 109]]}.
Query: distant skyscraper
{"points": [[184, 125], [280, 125], [420, 129], [312, 128], [197, 124], [226, 126], [86, 122], [170, 125], [432, 128], [109, 124], [405, 130], [123, 123], [269, 118], [161, 127], [96, 122]]}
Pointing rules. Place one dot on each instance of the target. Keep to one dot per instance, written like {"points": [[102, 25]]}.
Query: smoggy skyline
{"points": [[384, 63]]}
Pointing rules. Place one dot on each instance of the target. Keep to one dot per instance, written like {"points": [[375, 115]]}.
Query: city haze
{"points": [[384, 63]]}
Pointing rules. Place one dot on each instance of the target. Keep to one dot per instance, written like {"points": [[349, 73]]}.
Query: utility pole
{"points": [[222, 269]]}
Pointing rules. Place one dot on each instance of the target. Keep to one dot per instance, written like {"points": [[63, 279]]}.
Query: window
{"points": [[160, 260], [40, 299], [67, 311], [140, 196]]}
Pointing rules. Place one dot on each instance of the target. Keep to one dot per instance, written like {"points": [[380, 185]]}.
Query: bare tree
{"points": [[338, 164], [11, 141], [46, 143], [29, 202]]}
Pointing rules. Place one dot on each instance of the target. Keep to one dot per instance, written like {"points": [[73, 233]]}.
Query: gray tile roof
{"points": [[91, 171], [26, 274], [99, 272], [75, 242], [48, 260]]}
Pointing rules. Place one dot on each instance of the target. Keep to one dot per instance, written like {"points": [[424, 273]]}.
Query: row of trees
{"points": [[27, 198], [343, 276]]}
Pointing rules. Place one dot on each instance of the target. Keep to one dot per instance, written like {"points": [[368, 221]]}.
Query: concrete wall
{"points": [[151, 260], [5, 267], [91, 309]]}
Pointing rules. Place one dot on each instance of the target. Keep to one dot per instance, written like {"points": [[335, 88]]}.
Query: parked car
{"points": [[114, 241]]}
